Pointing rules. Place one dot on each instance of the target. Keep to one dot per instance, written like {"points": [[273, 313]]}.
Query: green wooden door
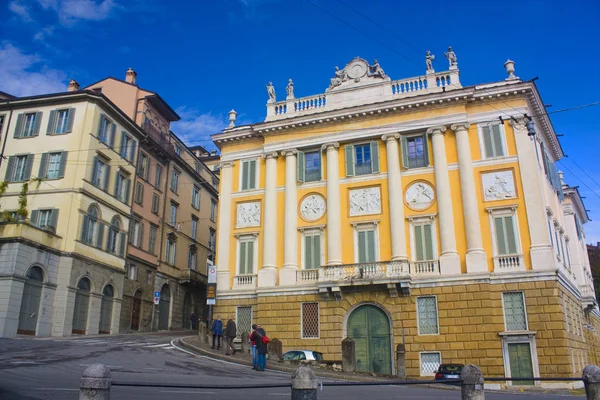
{"points": [[519, 355], [370, 329], [30, 305]]}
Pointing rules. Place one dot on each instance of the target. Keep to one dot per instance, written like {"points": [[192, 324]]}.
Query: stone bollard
{"points": [[95, 383], [401, 361], [275, 350], [245, 347], [202, 332], [348, 355], [304, 383], [591, 380], [472, 384]]}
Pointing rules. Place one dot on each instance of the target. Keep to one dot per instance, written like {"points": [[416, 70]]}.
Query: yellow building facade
{"points": [[412, 212]]}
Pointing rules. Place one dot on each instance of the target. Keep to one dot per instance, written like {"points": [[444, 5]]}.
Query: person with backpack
{"points": [[217, 332], [261, 339]]}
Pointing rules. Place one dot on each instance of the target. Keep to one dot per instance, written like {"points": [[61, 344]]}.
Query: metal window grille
{"points": [[427, 309], [310, 320], [430, 362], [514, 311], [244, 320]]}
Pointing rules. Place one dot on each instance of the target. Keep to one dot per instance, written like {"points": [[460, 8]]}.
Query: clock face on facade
{"points": [[312, 207]]}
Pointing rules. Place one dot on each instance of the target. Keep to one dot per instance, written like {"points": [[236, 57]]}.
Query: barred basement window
{"points": [[427, 315], [244, 320], [430, 362], [310, 320], [514, 311]]}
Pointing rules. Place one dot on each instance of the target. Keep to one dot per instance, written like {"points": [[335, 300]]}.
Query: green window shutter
{"points": [[53, 218], [250, 257], [371, 253], [243, 258], [106, 176], [349, 151], [113, 131], [70, 119], [301, 163], [10, 169], [100, 236], [308, 252], [63, 164], [252, 175], [426, 149], [375, 157], [34, 217], [28, 166], [500, 236], [132, 154], [84, 227], [118, 179], [245, 167], [122, 148], [487, 141], [362, 246], [19, 126], [100, 125], [37, 124], [51, 123], [95, 170], [42, 173], [497, 138], [316, 250], [127, 190], [404, 148], [419, 245], [511, 241], [122, 241], [428, 241]]}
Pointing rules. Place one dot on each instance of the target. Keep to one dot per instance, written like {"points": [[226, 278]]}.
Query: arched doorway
{"points": [[106, 309], [369, 326], [187, 311], [82, 302], [136, 310], [164, 307], [30, 302]]}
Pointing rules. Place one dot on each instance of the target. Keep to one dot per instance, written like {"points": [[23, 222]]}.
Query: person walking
{"points": [[230, 334], [261, 346], [254, 353], [193, 320], [217, 331]]}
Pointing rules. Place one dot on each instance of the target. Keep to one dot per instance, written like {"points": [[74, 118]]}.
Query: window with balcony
{"points": [[175, 180], [28, 125], [106, 131], [366, 249], [213, 210], [415, 151], [155, 203], [139, 193], [506, 243], [492, 140], [144, 166], [100, 172], [362, 159], [423, 241], [128, 147], [427, 315], [152, 235], [248, 175], [312, 249], [45, 219], [194, 227], [246, 259], [515, 316], [60, 121], [122, 187], [173, 214], [158, 176], [196, 197], [19, 168], [309, 166]]}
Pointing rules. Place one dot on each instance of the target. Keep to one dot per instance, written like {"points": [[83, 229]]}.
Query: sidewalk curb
{"points": [[96, 336]]}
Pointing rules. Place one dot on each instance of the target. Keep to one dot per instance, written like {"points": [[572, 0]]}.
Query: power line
{"points": [[582, 170], [579, 179]]}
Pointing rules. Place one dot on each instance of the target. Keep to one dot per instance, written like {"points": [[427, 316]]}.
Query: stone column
{"points": [[267, 276], [476, 258], [116, 316], [334, 220], [224, 228], [94, 313], [395, 198], [449, 259], [542, 254], [287, 275]]}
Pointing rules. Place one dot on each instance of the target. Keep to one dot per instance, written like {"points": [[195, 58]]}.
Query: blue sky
{"points": [[206, 57]]}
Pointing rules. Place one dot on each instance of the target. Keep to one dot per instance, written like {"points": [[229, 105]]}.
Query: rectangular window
{"points": [[122, 185], [248, 174], [53, 165], [310, 320], [213, 210], [427, 315], [243, 319], [192, 259], [514, 311], [152, 239], [155, 203], [170, 252], [578, 228], [415, 152], [196, 197], [19, 168], [492, 139], [173, 214], [194, 228], [246, 257], [178, 150], [132, 272], [362, 159], [29, 128], [212, 244], [1, 124], [309, 166], [158, 176], [506, 241], [62, 120], [430, 362], [100, 173], [175, 180], [366, 246], [139, 193], [198, 166], [144, 166], [312, 251], [128, 146], [106, 131], [44, 218], [423, 234], [136, 233]]}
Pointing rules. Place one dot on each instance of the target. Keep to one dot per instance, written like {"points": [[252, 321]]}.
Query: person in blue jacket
{"points": [[217, 331]]}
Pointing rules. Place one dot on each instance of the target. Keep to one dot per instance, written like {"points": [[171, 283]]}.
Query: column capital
{"points": [[289, 152], [332, 145], [226, 164], [463, 126], [436, 130], [271, 154], [390, 136]]}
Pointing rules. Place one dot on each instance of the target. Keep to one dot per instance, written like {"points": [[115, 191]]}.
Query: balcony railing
{"points": [[191, 276], [508, 262], [244, 282], [312, 175], [160, 138], [425, 267], [307, 276], [363, 169]]}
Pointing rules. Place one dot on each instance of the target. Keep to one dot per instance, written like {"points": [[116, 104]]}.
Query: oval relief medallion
{"points": [[312, 207], [419, 196]]}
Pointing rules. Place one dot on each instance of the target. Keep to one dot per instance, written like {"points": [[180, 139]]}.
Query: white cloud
{"points": [[72, 11], [18, 75], [43, 33], [195, 127], [22, 11]]}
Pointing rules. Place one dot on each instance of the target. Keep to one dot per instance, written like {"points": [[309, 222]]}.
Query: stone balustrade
{"points": [[426, 267], [355, 272], [244, 282], [509, 262]]}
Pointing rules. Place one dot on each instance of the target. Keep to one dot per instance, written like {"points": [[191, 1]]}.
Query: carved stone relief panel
{"points": [[498, 185], [419, 196], [248, 214], [365, 201], [312, 207]]}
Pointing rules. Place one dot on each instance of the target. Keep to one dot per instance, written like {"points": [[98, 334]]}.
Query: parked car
{"points": [[449, 371], [299, 355]]}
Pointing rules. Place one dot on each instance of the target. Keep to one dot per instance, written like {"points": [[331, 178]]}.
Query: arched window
{"points": [[84, 285], [36, 274], [113, 236], [108, 291]]}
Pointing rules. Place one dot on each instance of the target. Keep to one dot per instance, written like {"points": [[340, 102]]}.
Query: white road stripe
{"points": [[108, 366], [160, 345], [58, 389], [169, 348], [184, 391], [22, 362], [138, 344]]}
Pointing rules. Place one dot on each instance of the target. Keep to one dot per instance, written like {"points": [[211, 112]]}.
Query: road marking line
{"points": [[160, 345], [23, 362], [108, 366], [138, 344], [184, 391], [59, 389], [169, 348]]}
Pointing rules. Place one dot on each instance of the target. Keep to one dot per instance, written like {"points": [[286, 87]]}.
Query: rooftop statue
{"points": [[451, 56], [290, 89], [429, 61], [271, 92], [340, 76], [376, 70]]}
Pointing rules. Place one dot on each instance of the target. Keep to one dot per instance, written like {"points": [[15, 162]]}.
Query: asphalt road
{"points": [[51, 368]]}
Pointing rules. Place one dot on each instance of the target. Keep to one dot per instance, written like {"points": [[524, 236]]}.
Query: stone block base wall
{"points": [[470, 318]]}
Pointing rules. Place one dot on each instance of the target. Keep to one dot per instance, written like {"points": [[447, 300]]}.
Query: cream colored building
{"points": [[411, 213]]}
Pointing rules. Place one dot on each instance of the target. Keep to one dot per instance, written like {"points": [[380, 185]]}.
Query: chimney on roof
{"points": [[130, 76], [561, 176], [73, 86]]}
